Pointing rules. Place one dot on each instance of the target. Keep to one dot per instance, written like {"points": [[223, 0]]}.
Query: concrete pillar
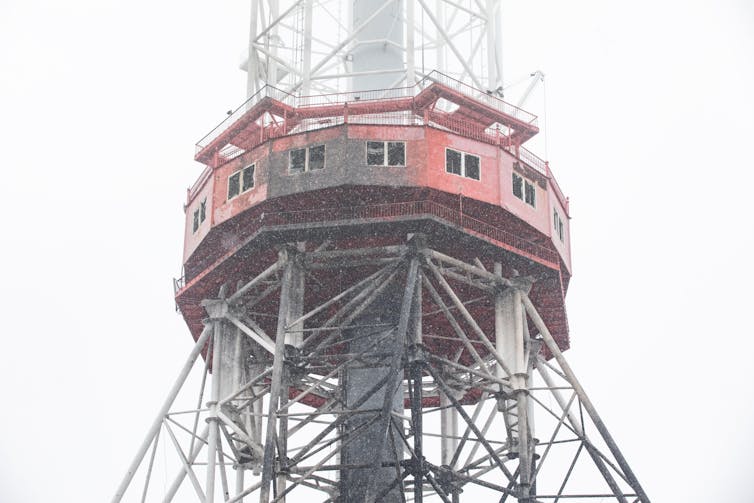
{"points": [[357, 381]]}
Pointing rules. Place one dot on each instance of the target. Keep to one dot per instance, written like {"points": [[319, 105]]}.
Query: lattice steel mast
{"points": [[375, 272]]}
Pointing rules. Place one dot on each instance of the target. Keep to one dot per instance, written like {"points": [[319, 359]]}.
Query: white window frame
{"points": [[463, 164], [240, 174], [307, 153], [526, 183], [200, 215], [385, 155]]}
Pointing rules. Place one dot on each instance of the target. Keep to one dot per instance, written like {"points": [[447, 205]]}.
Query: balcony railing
{"points": [[235, 115], [389, 211], [297, 101], [488, 99]]}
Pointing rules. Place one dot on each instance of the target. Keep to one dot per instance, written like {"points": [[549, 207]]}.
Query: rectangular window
{"points": [[234, 184], [386, 153], [306, 159], [375, 153], [316, 157], [396, 153], [297, 160], [529, 193], [471, 166], [558, 224], [241, 181], [453, 160], [463, 164], [247, 177], [196, 220], [524, 190], [202, 211], [518, 186]]}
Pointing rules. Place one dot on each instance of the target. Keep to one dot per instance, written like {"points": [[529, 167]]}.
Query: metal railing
{"points": [[532, 160], [402, 118], [398, 210], [364, 96], [266, 92], [486, 98], [353, 96]]}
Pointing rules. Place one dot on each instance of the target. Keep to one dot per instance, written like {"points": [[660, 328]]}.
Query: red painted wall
{"points": [[425, 166]]}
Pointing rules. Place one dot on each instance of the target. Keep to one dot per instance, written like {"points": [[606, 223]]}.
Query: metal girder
{"points": [[498, 386]]}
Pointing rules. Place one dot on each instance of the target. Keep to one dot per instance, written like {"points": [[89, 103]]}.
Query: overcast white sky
{"points": [[649, 129]]}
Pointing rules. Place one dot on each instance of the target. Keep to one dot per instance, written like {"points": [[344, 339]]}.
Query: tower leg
{"points": [[276, 384]]}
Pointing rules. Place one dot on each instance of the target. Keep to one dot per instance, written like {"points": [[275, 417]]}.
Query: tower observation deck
{"points": [[374, 275]]}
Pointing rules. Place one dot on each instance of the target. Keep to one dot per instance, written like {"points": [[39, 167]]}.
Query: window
{"points": [[524, 190], [558, 224], [200, 214], [529, 193], [234, 184], [306, 159], [247, 178], [518, 186], [453, 161], [462, 164], [386, 153], [241, 181]]}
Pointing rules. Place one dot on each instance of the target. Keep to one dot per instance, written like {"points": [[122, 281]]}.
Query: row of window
{"points": [[241, 181], [378, 153], [462, 164], [306, 159], [524, 190]]}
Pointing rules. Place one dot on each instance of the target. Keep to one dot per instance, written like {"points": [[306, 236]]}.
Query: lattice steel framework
{"points": [[360, 366], [315, 46], [278, 418]]}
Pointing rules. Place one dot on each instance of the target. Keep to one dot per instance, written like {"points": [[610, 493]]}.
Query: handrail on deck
{"points": [[298, 101]]}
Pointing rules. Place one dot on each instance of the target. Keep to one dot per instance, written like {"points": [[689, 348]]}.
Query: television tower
{"points": [[374, 276]]}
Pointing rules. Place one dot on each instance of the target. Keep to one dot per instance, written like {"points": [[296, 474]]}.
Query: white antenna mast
{"points": [[375, 46]]}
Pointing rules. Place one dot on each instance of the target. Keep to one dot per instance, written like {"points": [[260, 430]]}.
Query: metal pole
{"points": [[410, 48], [277, 376], [216, 310], [163, 410], [252, 65], [307, 66]]}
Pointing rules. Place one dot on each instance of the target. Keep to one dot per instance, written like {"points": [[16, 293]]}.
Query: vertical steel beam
{"points": [[448, 430], [268, 462], [307, 54], [410, 45], [217, 309], [252, 63]]}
